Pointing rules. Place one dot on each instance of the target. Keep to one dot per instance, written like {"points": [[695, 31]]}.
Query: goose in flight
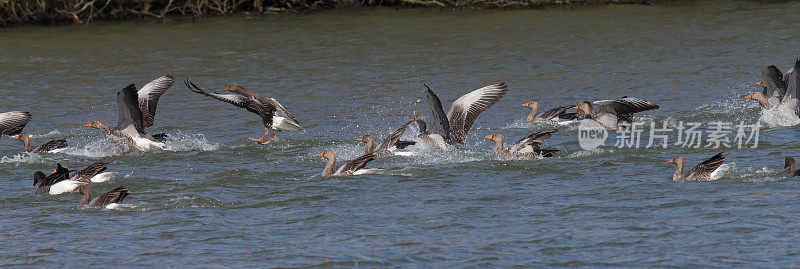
{"points": [[137, 110], [613, 113], [12, 123], [558, 115], [528, 146], [451, 128], [708, 170], [273, 115], [348, 168]]}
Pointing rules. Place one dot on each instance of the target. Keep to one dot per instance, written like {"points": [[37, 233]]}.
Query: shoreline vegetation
{"points": [[14, 12]]}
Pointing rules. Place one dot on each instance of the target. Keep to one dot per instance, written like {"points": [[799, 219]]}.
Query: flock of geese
{"points": [[137, 111]]}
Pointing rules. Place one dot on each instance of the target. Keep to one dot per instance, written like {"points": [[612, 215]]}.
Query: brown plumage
{"points": [[114, 196], [43, 148], [528, 146], [273, 115], [346, 169], [790, 163], [704, 171], [12, 123]]}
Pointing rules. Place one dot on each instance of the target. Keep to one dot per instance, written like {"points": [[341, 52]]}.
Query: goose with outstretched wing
{"points": [[107, 200], [557, 115], [136, 111], [349, 168], [708, 170], [273, 115], [48, 147], [613, 113], [12, 123], [529, 146], [389, 146], [452, 128]]}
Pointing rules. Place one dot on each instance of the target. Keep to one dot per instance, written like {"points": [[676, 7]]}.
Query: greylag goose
{"points": [[389, 146], [611, 113], [12, 123], [348, 168], [453, 127], [431, 139], [137, 111], [57, 182], [94, 173], [528, 146], [556, 115], [708, 170], [273, 114], [50, 146], [107, 200], [774, 88], [779, 89], [789, 163]]}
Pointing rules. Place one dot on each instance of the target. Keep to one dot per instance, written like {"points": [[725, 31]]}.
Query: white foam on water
{"points": [[94, 149], [188, 142], [778, 116], [21, 158], [369, 171], [49, 134]]}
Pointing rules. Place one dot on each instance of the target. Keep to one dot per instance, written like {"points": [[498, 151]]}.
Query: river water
{"points": [[216, 199]]}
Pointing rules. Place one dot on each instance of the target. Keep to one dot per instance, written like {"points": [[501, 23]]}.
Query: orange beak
{"points": [[489, 137], [16, 138], [360, 139], [670, 161], [760, 83], [575, 107], [77, 191], [319, 155], [54, 171], [87, 125], [412, 119], [226, 89], [525, 104], [749, 96]]}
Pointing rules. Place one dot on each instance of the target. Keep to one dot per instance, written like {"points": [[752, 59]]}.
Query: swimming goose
{"points": [[346, 169], [273, 114], [94, 173], [107, 200], [708, 170], [525, 147], [57, 182], [611, 113], [44, 148], [136, 110], [389, 146], [12, 123], [556, 115], [789, 163]]}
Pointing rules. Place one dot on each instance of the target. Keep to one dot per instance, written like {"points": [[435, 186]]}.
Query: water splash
{"points": [[95, 149], [778, 116], [188, 142], [21, 158]]}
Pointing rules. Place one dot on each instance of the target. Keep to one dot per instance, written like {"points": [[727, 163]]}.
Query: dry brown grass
{"points": [[85, 11]]}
